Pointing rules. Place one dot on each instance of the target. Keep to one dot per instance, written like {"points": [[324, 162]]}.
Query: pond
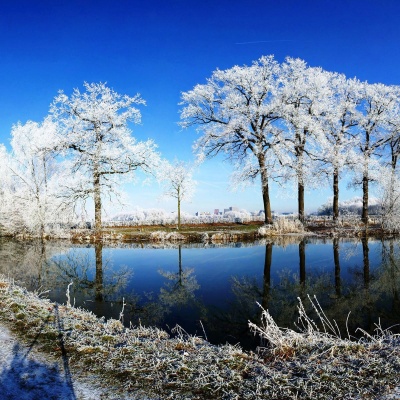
{"points": [[213, 290]]}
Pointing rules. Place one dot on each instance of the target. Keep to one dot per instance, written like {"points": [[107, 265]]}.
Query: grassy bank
{"points": [[308, 365], [225, 232]]}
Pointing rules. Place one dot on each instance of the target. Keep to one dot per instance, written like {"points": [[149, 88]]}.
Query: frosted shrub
{"points": [[284, 225], [281, 226], [265, 230], [174, 236], [160, 236]]}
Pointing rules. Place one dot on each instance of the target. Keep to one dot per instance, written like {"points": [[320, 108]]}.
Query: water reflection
{"points": [[218, 285], [336, 261], [180, 287], [267, 275]]}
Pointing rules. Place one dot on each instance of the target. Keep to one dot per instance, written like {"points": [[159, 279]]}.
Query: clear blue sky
{"points": [[160, 48]]}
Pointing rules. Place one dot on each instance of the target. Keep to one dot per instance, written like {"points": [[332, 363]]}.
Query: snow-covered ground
{"points": [[26, 374]]}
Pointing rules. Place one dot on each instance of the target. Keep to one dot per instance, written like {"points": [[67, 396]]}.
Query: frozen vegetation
{"points": [[141, 361], [285, 122]]}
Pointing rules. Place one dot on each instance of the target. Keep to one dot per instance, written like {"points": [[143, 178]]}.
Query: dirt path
{"points": [[26, 374]]}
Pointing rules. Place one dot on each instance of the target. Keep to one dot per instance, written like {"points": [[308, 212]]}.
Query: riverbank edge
{"points": [[147, 360], [206, 234]]}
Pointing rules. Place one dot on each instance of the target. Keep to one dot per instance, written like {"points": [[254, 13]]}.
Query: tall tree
{"points": [[177, 182], [338, 124], [94, 125], [236, 113], [303, 99], [389, 182], [377, 101]]}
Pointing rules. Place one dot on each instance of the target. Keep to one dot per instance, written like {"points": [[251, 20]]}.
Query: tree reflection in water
{"points": [[101, 292], [180, 287], [336, 261], [361, 276], [363, 295]]}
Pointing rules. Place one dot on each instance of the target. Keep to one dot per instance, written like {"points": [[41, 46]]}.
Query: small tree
{"points": [[177, 182], [94, 125]]}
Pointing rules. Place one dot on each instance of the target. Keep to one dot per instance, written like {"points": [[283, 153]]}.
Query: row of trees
{"points": [[83, 149], [290, 122], [284, 122]]}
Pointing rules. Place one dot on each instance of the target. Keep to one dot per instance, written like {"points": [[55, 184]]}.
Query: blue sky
{"points": [[161, 48]]}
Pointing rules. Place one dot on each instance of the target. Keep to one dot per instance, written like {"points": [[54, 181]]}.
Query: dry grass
{"points": [[311, 364]]}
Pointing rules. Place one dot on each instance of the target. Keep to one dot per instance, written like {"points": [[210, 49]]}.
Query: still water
{"points": [[216, 284]]}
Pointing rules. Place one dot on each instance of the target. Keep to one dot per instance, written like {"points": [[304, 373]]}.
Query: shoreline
{"points": [[206, 233]]}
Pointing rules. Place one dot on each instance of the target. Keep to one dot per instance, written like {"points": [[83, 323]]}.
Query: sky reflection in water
{"points": [[218, 285]]}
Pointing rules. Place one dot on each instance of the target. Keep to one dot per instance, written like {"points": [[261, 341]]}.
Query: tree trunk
{"points": [[335, 195], [267, 204], [179, 211], [299, 150], [364, 215], [97, 202], [300, 200], [265, 191]]}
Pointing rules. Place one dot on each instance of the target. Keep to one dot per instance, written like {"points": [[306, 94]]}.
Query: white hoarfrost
{"points": [[32, 178], [177, 181], [295, 124], [98, 142], [236, 110]]}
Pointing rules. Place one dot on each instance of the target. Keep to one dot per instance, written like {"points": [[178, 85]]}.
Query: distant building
{"points": [[231, 209], [216, 211], [202, 214]]}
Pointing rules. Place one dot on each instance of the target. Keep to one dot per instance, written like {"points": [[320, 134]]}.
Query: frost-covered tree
{"points": [[94, 126], [392, 146], [5, 187], [377, 102], [236, 113], [32, 193], [303, 98], [338, 125], [177, 181], [389, 196]]}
